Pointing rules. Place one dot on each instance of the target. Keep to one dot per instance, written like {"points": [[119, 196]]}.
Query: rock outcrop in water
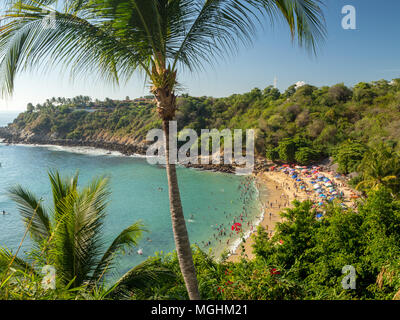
{"points": [[11, 135], [123, 145]]}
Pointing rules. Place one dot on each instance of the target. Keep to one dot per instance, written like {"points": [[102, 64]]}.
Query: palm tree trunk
{"points": [[178, 224]]}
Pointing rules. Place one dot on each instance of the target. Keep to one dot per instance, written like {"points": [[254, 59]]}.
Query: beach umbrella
{"points": [[237, 227], [317, 186], [298, 179], [302, 187], [313, 182]]}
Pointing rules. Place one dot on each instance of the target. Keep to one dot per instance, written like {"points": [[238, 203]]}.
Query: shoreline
{"points": [[117, 149], [277, 192], [268, 192]]}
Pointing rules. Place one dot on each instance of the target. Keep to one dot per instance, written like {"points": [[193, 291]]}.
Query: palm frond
{"points": [[112, 39], [27, 204], [78, 240], [214, 28], [79, 41], [127, 238], [6, 257], [142, 276], [61, 187]]}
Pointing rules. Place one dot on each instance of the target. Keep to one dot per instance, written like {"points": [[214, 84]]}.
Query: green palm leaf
{"points": [[127, 238], [6, 256], [78, 240], [27, 204], [143, 276]]}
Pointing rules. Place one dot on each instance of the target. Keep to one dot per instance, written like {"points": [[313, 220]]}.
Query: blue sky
{"points": [[371, 52]]}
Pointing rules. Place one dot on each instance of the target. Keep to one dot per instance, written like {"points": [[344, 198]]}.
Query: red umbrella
{"points": [[237, 227]]}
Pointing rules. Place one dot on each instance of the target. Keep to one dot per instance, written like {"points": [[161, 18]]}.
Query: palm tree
{"points": [[115, 38], [380, 167], [69, 236]]}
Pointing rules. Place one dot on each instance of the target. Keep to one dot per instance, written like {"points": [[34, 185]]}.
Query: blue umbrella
{"points": [[319, 215]]}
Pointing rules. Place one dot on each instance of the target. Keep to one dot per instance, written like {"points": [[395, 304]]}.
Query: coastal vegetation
{"points": [[357, 128], [302, 125], [303, 260], [68, 247], [157, 38], [305, 257]]}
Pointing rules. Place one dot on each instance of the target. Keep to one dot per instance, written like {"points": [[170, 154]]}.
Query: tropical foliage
{"points": [[69, 238], [305, 257], [298, 125], [115, 39]]}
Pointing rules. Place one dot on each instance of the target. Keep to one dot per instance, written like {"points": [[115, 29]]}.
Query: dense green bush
{"points": [[349, 155]]}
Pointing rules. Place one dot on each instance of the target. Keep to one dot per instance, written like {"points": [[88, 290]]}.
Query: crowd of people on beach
{"points": [[239, 222], [318, 186]]}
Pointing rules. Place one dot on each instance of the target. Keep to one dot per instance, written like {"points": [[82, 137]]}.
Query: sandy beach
{"points": [[277, 190]]}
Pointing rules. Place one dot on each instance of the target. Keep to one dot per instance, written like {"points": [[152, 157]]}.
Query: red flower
{"points": [[273, 271]]}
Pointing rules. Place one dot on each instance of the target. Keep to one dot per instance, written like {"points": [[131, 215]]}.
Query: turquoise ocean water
{"points": [[139, 192]]}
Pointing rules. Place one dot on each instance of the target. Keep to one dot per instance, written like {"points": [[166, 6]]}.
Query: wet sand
{"points": [[274, 199]]}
